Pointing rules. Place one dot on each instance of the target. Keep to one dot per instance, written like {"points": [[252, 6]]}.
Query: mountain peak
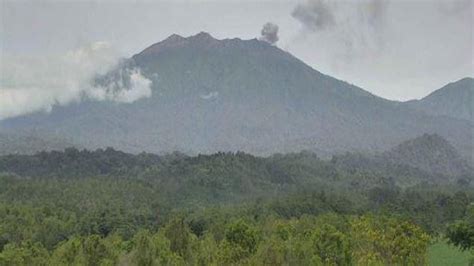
{"points": [[175, 40], [202, 36], [203, 39]]}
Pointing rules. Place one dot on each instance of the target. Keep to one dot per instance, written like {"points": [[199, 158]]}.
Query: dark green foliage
{"points": [[461, 232], [242, 235], [75, 163]]}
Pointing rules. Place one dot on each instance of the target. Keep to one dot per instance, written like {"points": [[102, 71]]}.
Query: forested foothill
{"points": [[107, 207]]}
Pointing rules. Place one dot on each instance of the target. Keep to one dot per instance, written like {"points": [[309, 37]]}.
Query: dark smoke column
{"points": [[269, 33]]}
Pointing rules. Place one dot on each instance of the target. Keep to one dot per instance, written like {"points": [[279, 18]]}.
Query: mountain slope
{"points": [[226, 95], [14, 143], [454, 100]]}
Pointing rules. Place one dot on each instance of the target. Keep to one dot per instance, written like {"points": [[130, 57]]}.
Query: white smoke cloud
{"points": [[31, 84], [127, 86]]}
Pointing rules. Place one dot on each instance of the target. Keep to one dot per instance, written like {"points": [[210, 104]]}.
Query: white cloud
{"points": [[117, 90], [30, 84]]}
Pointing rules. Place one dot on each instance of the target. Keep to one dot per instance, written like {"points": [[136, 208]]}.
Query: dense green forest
{"points": [[106, 207]]}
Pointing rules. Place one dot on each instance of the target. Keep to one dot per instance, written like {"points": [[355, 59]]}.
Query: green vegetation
{"points": [[461, 234], [107, 207], [443, 254]]}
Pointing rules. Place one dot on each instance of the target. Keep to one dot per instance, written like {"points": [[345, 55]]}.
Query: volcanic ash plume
{"points": [[349, 29], [269, 33], [315, 14]]}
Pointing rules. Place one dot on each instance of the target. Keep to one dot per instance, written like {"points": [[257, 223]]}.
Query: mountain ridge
{"points": [[455, 99]]}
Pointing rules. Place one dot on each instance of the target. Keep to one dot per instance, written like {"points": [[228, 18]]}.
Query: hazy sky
{"points": [[398, 49]]}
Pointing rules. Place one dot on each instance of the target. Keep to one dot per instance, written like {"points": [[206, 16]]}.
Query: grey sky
{"points": [[415, 48]]}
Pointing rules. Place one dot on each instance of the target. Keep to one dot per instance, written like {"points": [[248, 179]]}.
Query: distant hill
{"points": [[426, 160], [214, 95], [430, 153], [429, 157], [454, 100], [216, 178]]}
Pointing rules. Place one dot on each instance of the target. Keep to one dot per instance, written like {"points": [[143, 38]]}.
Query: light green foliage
{"points": [[331, 245], [91, 250], [310, 240], [388, 241], [97, 252], [67, 253], [207, 251], [152, 249], [240, 241], [273, 251], [25, 254]]}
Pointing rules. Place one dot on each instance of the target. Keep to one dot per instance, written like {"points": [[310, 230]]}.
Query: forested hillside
{"points": [[107, 207]]}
